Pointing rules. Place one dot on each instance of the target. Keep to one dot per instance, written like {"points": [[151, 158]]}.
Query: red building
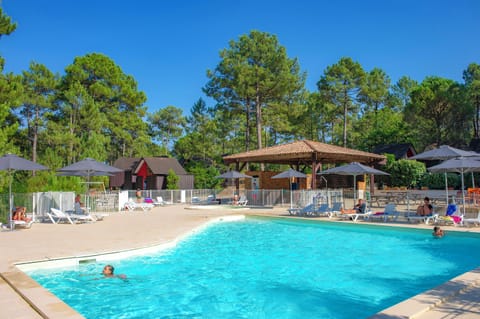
{"points": [[148, 173]]}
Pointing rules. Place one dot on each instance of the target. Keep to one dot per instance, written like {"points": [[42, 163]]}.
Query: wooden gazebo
{"points": [[303, 153]]}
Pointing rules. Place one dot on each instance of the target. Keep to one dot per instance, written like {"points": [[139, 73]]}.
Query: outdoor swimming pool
{"points": [[263, 268]]}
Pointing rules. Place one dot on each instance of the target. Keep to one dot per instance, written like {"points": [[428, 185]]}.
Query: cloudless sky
{"points": [[168, 46]]}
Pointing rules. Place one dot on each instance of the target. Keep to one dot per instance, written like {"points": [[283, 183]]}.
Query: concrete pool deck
{"points": [[21, 297]]}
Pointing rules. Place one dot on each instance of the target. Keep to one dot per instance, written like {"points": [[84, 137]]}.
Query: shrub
{"points": [[404, 172]]}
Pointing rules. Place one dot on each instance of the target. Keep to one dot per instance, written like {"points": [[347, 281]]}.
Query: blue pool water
{"points": [[260, 268]]}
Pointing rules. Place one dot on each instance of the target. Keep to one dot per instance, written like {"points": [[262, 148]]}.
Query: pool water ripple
{"points": [[270, 269]]}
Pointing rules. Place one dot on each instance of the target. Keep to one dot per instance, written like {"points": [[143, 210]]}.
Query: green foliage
{"points": [[432, 111], [205, 175], [166, 125], [97, 110], [472, 81], [255, 76], [392, 130], [6, 24], [437, 181], [99, 103], [11, 92], [404, 172], [172, 180], [340, 86], [401, 92], [40, 86]]}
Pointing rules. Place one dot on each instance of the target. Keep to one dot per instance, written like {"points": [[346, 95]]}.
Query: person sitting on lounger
{"points": [[360, 208], [20, 213], [79, 206], [425, 209]]}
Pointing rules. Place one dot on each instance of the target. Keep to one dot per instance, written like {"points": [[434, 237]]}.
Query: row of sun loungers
{"points": [[313, 210], [389, 214]]}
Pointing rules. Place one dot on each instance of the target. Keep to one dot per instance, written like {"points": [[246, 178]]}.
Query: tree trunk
{"points": [[345, 112], [247, 126], [476, 123], [35, 138], [258, 107]]}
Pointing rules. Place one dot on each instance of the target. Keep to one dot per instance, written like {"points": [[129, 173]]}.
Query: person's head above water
{"points": [[438, 232], [108, 271]]}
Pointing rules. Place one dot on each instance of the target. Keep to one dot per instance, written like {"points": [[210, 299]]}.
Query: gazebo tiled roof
{"points": [[304, 152]]}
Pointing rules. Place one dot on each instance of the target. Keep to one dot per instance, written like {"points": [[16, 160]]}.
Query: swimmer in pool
{"points": [[108, 272], [438, 232]]}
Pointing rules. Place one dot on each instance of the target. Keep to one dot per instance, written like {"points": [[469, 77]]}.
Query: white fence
{"points": [[40, 203]]}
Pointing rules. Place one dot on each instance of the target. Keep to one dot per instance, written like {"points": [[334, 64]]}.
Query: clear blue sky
{"points": [[167, 46]]}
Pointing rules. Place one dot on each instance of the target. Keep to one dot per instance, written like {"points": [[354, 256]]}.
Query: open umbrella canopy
{"points": [[84, 174], [89, 167], [458, 165], [354, 169], [12, 163], [233, 174], [444, 152], [289, 174]]}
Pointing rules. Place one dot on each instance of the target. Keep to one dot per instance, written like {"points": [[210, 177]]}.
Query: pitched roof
{"points": [[161, 165], [304, 152], [399, 150], [126, 163]]}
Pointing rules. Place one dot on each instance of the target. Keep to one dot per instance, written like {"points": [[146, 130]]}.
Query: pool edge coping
{"points": [[48, 305]]}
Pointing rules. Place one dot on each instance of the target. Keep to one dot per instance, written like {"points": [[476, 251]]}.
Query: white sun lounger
{"points": [[474, 221], [22, 223], [355, 216], [301, 211], [425, 219], [161, 202], [243, 201], [131, 206], [57, 216], [389, 213]]}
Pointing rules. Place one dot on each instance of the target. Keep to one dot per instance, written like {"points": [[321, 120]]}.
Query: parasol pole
{"points": [[87, 195], [354, 190], [446, 187], [10, 201], [291, 195], [463, 193]]}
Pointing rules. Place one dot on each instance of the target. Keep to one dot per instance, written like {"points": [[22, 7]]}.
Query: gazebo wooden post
{"points": [[313, 182], [237, 180], [372, 185]]}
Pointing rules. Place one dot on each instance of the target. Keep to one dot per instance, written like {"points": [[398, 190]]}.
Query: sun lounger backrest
{"points": [[390, 209]]}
